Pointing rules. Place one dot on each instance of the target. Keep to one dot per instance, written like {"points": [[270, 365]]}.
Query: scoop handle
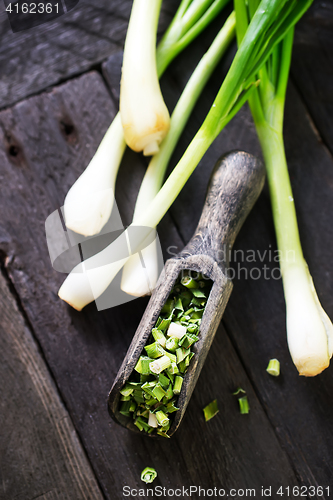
{"points": [[235, 184]]}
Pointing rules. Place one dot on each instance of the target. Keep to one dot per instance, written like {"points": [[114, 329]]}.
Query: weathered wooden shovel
{"points": [[235, 185]]}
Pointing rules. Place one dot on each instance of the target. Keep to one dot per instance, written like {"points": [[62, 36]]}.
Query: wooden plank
{"points": [[84, 350], [34, 59], [312, 66], [40, 454]]}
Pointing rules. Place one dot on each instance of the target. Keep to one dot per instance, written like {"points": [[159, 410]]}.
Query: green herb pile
{"points": [[150, 394]]}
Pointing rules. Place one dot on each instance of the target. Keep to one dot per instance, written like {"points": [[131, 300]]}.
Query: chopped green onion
{"points": [[181, 354], [169, 393], [210, 410], [168, 307], [151, 402], [148, 387], [138, 397], [154, 350], [161, 417], [158, 336], [186, 297], [152, 420], [127, 389], [238, 391], [177, 331], [164, 324], [163, 380], [138, 424], [188, 340], [197, 302], [189, 282], [125, 408], [166, 427], [273, 367], [148, 475], [171, 344], [160, 364], [182, 367], [125, 398], [196, 315], [162, 433], [178, 304], [244, 407], [198, 293], [177, 385], [132, 406], [159, 392], [173, 369], [170, 407], [171, 356], [142, 365], [192, 329]]}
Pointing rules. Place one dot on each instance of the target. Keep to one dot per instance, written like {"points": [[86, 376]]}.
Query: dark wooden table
{"points": [[58, 94]]}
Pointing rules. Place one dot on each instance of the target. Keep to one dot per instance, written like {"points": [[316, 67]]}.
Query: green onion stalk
{"points": [[309, 330], [144, 115], [89, 202], [139, 280], [269, 24]]}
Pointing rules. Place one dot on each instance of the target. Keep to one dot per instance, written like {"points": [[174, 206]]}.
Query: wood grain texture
{"points": [[45, 143], [41, 456], [84, 350], [34, 59]]}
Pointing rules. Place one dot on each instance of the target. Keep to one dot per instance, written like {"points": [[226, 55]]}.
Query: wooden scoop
{"points": [[235, 184]]}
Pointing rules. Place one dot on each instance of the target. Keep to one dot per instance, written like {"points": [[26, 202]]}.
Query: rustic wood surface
{"points": [[45, 142]]}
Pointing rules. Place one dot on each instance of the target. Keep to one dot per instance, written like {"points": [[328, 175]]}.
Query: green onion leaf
{"points": [[170, 407], [211, 410], [159, 392], [158, 336], [198, 293], [244, 407], [189, 282], [188, 340], [181, 354], [239, 391], [154, 350], [126, 390], [172, 344], [142, 365], [163, 380]]}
